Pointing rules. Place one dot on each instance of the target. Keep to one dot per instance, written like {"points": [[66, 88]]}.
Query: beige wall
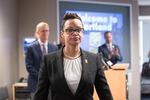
{"points": [[134, 89], [30, 13], [8, 43], [33, 11]]}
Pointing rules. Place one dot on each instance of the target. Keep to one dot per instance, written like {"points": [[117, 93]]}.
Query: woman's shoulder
{"points": [[90, 54], [54, 54]]}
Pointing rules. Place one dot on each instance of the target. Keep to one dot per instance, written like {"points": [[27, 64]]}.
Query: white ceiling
{"points": [[144, 2]]}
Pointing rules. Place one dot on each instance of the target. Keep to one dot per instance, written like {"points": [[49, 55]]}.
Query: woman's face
{"points": [[72, 32]]}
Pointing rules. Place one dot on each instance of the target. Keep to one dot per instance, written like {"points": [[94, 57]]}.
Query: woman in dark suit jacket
{"points": [[71, 73]]}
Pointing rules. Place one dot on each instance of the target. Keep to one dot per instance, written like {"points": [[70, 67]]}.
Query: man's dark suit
{"points": [[105, 53], [52, 80], [33, 60]]}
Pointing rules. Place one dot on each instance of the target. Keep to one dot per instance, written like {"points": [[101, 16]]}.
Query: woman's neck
{"points": [[72, 52]]}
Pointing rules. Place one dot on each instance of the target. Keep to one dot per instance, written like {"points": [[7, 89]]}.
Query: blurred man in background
{"points": [[35, 52], [109, 51]]}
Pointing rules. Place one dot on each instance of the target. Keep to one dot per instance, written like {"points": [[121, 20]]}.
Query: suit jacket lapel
{"points": [[49, 47], [38, 47], [106, 47], [107, 50], [63, 81], [84, 74]]}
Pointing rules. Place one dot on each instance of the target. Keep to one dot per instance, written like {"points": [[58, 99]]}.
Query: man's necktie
{"points": [[44, 49], [109, 47]]}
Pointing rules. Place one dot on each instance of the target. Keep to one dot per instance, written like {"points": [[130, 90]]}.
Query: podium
{"points": [[20, 91], [116, 78]]}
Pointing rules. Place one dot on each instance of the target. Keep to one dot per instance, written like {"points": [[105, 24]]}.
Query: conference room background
{"points": [[97, 19]]}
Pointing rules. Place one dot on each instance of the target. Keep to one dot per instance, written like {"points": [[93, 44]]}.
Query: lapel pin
{"points": [[86, 61]]}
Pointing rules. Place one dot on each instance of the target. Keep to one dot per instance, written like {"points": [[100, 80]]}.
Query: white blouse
{"points": [[72, 71]]}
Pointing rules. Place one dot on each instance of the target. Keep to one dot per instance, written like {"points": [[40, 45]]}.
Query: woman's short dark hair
{"points": [[68, 16]]}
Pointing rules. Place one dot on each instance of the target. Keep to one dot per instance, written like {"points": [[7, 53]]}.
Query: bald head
{"points": [[40, 25], [42, 31]]}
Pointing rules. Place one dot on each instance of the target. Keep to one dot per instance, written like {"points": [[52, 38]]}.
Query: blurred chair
{"points": [[20, 90], [4, 93], [145, 78]]}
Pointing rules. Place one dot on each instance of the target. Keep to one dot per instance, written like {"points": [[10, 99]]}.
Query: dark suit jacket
{"points": [[105, 52], [33, 60], [60, 46], [52, 80]]}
